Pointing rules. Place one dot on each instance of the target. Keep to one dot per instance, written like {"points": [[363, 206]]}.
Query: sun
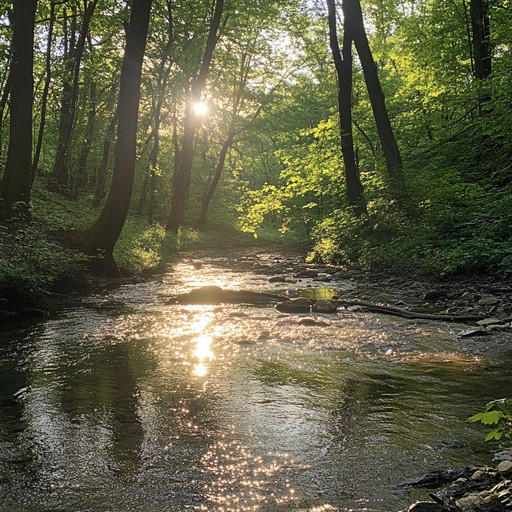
{"points": [[200, 109]]}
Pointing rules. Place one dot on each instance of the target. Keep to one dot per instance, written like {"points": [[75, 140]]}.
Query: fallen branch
{"points": [[391, 310]]}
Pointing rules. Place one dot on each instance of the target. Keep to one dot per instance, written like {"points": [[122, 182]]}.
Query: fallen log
{"points": [[391, 310]]}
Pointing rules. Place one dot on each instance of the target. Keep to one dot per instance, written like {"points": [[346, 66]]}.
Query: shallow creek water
{"points": [[124, 401]]}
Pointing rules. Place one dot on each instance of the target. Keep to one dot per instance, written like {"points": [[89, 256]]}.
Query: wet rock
{"points": [[436, 294], [503, 455], [237, 314], [488, 321], [197, 265], [293, 293], [324, 306], [307, 273], [470, 501], [426, 506], [488, 300], [505, 467], [311, 321], [437, 478], [477, 475], [472, 332], [216, 295], [300, 305], [495, 327], [277, 279]]}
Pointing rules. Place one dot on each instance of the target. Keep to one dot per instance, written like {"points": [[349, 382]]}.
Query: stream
{"points": [[124, 401]]}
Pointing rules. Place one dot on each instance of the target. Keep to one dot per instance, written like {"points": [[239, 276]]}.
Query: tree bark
{"points": [[46, 90], [5, 97], [343, 66], [81, 174], [100, 179], [353, 17], [480, 25], [203, 219], [17, 180], [182, 174], [480, 22], [103, 235], [70, 95]]}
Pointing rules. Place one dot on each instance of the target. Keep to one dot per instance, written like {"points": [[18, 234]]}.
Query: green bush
{"points": [[497, 414]]}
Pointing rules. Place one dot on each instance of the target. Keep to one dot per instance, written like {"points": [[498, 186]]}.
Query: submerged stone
{"points": [[300, 305], [324, 306]]}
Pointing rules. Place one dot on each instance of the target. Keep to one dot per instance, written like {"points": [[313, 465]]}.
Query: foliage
{"points": [[272, 82], [497, 414], [32, 261], [141, 247]]}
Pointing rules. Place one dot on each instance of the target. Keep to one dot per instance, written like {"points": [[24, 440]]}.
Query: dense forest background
{"points": [[376, 132]]}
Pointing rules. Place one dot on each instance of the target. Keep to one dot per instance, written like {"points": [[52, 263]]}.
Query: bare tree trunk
{"points": [[103, 235], [203, 219], [182, 174], [81, 174], [4, 98], [17, 180], [46, 90], [62, 160], [353, 16], [343, 65], [480, 25], [100, 180]]}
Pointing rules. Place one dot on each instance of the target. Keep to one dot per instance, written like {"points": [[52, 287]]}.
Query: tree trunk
{"points": [[17, 180], [103, 235], [182, 174], [70, 96], [203, 219], [343, 66], [353, 16], [153, 163], [81, 175], [60, 174], [100, 181], [4, 98], [480, 24], [46, 90]]}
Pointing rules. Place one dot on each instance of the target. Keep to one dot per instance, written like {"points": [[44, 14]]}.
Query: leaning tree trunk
{"points": [[182, 174], [343, 66], [103, 235], [353, 16], [208, 196], [17, 181], [100, 178]]}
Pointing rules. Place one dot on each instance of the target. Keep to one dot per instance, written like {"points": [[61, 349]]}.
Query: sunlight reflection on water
{"points": [[136, 403]]}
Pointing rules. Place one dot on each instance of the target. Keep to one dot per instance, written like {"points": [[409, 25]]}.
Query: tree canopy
{"points": [[263, 116]]}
